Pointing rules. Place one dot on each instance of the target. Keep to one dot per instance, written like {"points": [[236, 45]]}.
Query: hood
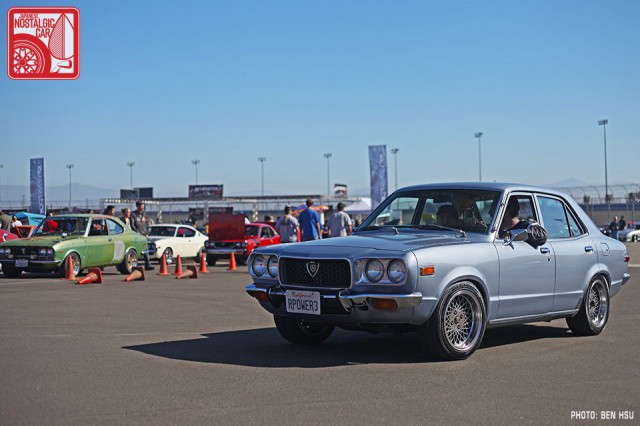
{"points": [[373, 242], [48, 241]]}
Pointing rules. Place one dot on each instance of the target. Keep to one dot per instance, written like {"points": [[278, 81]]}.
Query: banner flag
{"points": [[36, 178], [378, 168]]}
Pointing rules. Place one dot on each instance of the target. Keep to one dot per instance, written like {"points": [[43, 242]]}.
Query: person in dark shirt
{"points": [[537, 235], [139, 223]]}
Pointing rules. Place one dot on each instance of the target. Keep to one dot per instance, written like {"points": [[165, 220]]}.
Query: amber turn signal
{"points": [[260, 295], [427, 270], [384, 304]]}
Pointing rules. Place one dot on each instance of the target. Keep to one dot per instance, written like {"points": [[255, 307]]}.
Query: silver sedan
{"points": [[447, 261]]}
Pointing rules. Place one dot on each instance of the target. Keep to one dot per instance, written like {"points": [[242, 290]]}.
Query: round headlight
{"points": [[259, 265], [42, 251], [7, 251], [396, 271], [49, 251], [272, 266], [374, 270]]}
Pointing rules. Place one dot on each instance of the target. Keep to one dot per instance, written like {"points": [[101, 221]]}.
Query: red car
{"points": [[6, 236], [230, 234]]}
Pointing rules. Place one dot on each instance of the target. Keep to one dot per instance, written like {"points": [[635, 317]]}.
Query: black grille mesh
{"points": [[331, 273]]}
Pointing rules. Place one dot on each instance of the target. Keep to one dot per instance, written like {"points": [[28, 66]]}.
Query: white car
{"points": [[631, 234], [173, 240]]}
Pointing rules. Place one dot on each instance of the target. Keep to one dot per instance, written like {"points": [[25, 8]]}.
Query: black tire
{"points": [[593, 315], [77, 265], [199, 255], [11, 271], [634, 238], [168, 255], [301, 332], [129, 262], [211, 260], [456, 328]]}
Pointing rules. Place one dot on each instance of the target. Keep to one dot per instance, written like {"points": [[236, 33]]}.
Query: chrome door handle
{"points": [[588, 249], [544, 250]]}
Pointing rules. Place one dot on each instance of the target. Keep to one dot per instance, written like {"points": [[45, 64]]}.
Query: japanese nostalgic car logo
{"points": [[312, 268]]}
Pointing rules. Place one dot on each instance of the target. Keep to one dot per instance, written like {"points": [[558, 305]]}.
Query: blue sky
{"points": [[227, 82]]}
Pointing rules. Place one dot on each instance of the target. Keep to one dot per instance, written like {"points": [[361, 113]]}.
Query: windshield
{"points": [[57, 225], [162, 231], [469, 210]]}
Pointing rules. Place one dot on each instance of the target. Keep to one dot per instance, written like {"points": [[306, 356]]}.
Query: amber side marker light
{"points": [[384, 304], [260, 295], [427, 270]]}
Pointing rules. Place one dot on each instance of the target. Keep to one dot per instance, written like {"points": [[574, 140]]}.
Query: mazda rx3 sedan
{"points": [[433, 259], [88, 240]]}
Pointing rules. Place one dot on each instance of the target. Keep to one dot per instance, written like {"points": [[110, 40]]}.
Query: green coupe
{"points": [[88, 240]]}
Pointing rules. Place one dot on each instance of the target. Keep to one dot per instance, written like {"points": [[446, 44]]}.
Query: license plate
{"points": [[303, 302], [22, 263]]}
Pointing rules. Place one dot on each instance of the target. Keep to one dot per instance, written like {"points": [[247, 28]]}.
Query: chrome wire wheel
{"points": [[598, 303], [462, 320]]}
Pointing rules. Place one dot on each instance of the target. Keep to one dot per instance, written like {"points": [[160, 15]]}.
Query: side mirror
{"points": [[515, 235]]}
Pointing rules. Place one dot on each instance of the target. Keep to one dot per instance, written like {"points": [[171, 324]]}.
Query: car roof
{"points": [[495, 186]]}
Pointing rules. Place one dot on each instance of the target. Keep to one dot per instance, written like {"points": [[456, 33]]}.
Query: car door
{"points": [[574, 249], [189, 242], [527, 274], [115, 231], [99, 244]]}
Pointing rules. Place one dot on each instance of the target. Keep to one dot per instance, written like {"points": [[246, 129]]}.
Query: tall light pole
{"points": [[130, 164], [479, 136], [195, 163], [1, 167], [604, 123], [328, 157], [394, 151], [262, 160], [69, 166]]}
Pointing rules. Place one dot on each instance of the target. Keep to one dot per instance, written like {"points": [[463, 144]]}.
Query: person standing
{"points": [[339, 223], [613, 228], [310, 223], [287, 226], [126, 216], [622, 224], [110, 211], [139, 223], [5, 221]]}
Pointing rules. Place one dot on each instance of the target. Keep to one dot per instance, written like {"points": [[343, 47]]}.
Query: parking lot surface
{"points": [[201, 351]]}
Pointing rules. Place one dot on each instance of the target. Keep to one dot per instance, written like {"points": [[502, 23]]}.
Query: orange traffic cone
{"points": [[232, 262], [69, 275], [136, 275], [191, 272], [178, 270], [94, 276], [163, 266], [203, 264]]}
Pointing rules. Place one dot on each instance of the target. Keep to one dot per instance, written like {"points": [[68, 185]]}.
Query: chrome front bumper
{"points": [[348, 300]]}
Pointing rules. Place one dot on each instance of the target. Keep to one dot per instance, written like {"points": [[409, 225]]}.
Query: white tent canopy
{"points": [[362, 207]]}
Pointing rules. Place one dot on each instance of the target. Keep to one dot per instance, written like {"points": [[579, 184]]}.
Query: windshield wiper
{"points": [[433, 227], [369, 228]]}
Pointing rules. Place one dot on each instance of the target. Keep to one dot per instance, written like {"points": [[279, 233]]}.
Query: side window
{"points": [[114, 228], [554, 217], [573, 225], [264, 233], [188, 233], [98, 227]]}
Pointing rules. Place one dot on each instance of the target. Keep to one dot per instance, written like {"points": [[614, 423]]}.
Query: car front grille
{"points": [[24, 252], [220, 244], [331, 273]]}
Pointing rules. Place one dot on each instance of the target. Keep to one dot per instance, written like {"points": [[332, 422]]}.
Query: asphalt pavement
{"points": [[201, 351]]}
